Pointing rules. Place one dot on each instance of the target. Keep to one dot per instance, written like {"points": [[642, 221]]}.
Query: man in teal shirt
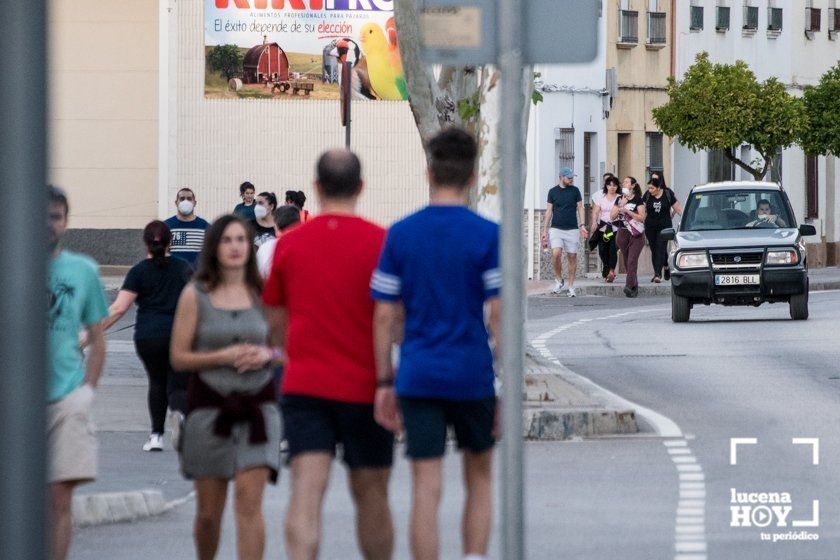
{"points": [[76, 302]]}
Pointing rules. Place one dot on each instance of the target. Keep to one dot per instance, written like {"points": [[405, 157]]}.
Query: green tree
{"points": [[722, 106], [226, 60], [822, 105]]}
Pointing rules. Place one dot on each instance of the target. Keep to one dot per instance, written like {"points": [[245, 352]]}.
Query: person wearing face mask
{"points": [[661, 205], [263, 222], [187, 228], [603, 231], [630, 213]]}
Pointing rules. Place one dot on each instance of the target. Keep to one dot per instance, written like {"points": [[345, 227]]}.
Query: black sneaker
{"points": [[634, 291], [628, 292], [667, 274]]}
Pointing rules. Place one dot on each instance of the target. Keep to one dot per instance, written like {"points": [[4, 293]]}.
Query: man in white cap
{"points": [[563, 227]]}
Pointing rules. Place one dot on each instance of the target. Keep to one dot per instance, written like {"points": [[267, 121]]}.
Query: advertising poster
{"points": [[294, 49]]}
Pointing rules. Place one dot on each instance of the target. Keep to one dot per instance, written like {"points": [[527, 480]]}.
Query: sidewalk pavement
{"points": [[593, 285]]}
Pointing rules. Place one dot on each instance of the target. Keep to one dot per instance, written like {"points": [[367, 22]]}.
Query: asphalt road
{"points": [[731, 372]]}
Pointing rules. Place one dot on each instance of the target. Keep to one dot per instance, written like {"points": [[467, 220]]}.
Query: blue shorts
{"points": [[426, 420]]}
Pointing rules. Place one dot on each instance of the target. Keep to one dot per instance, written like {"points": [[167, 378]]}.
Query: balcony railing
{"points": [[722, 23], [696, 18], [813, 19], [774, 19], [656, 28], [751, 17], [628, 27]]}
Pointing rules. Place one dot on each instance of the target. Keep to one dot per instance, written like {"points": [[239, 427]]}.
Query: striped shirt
{"points": [[187, 238]]}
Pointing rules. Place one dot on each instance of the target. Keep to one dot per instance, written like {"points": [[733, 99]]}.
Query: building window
{"points": [[774, 19], [696, 18], [721, 168], [722, 19], [812, 184], [750, 17], [564, 141], [776, 167], [656, 28], [628, 27], [833, 20], [813, 19], [653, 153]]}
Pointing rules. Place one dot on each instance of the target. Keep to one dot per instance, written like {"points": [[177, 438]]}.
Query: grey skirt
{"points": [[203, 454]]}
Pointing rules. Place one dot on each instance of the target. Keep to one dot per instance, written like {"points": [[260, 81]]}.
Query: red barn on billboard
{"points": [[265, 63]]}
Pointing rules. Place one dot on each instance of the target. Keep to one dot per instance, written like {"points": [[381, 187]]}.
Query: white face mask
{"points": [[260, 211], [625, 191], [185, 207]]}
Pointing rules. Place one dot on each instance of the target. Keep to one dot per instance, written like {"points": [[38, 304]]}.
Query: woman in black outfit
{"points": [[155, 284], [661, 205]]}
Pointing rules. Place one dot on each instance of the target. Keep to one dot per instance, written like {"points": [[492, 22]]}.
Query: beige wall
{"points": [[642, 72], [103, 121]]}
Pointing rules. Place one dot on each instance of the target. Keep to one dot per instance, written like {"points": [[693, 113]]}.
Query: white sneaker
{"points": [[155, 443], [176, 421], [558, 286], [571, 292]]}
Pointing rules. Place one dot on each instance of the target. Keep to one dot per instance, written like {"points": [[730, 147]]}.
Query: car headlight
{"points": [[693, 260], [788, 256]]}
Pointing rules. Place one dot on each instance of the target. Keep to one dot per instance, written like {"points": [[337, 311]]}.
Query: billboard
{"points": [[294, 49]]}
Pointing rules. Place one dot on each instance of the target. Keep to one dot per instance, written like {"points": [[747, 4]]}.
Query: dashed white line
{"points": [[690, 519]]}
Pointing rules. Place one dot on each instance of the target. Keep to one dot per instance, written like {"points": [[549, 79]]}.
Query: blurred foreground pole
{"points": [[509, 36], [23, 99]]}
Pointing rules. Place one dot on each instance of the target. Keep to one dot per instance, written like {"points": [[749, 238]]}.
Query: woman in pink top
{"points": [[602, 229]]}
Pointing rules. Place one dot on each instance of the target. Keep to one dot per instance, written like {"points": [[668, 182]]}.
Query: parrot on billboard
{"points": [[383, 61]]}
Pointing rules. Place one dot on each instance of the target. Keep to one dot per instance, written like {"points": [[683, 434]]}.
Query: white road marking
{"points": [[690, 524]]}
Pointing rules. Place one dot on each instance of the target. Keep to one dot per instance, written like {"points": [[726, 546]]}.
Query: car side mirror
{"points": [[806, 230], [669, 234]]}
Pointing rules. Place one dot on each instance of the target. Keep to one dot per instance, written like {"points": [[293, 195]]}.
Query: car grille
{"points": [[737, 258]]}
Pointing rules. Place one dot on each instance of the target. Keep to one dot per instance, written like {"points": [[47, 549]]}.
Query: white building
{"points": [[566, 129], [795, 41]]}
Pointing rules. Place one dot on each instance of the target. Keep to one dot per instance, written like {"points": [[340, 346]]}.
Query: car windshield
{"points": [[741, 209]]}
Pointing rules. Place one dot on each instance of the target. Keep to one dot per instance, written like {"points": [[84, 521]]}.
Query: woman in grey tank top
{"points": [[232, 430]]}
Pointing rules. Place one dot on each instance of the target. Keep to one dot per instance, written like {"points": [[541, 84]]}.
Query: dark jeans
{"points": [[167, 388], [630, 247], [658, 249], [608, 251]]}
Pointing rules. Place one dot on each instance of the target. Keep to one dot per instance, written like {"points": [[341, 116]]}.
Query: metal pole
{"points": [[509, 35], [348, 88], [22, 280]]}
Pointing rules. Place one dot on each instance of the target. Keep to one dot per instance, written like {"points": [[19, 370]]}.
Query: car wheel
{"points": [[799, 307], [680, 309]]}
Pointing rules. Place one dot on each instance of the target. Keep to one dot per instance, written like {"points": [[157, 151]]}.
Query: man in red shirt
{"points": [[320, 310]]}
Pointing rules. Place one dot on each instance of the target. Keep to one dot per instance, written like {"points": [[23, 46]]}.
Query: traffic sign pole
{"points": [[509, 35]]}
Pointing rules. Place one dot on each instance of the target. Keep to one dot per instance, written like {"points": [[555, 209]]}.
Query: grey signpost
{"points": [[22, 281], [511, 33]]}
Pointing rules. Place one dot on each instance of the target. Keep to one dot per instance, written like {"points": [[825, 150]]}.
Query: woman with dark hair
{"points": [[298, 199], [246, 207], [603, 230], [629, 212], [155, 284], [661, 205], [232, 431], [263, 223]]}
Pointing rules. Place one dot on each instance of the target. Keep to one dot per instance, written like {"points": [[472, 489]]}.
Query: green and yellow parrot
{"points": [[384, 65]]}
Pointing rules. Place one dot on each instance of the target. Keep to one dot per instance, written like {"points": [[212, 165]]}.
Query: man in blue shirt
{"points": [[187, 228], [438, 271], [76, 302]]}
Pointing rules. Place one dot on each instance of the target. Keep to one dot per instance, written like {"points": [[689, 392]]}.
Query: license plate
{"points": [[736, 279]]}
